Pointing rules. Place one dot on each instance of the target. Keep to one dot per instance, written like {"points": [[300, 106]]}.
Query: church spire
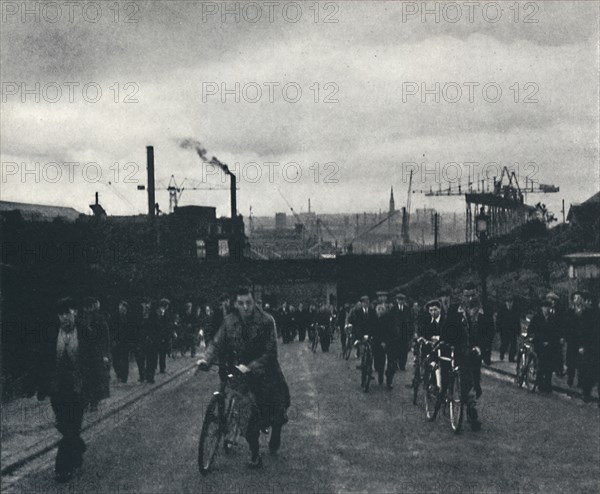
{"points": [[392, 202]]}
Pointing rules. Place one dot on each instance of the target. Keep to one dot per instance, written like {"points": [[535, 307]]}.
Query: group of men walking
{"points": [[72, 366], [392, 326], [567, 339]]}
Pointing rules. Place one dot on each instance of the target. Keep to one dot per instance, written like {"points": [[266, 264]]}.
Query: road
{"points": [[342, 440]]}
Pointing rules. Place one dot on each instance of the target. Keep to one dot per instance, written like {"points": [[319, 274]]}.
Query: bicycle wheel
{"points": [[315, 342], [521, 368], [416, 382], [456, 404], [430, 396], [232, 432], [211, 434], [348, 348], [366, 364], [531, 373]]}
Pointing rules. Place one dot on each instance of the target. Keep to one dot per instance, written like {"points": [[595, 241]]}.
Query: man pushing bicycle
{"points": [[247, 341]]}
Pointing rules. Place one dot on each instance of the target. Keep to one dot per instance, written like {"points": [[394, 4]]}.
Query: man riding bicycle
{"points": [[247, 340]]}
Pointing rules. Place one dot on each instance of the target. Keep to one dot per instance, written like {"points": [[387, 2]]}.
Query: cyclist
{"points": [[430, 335], [359, 320], [469, 327], [247, 341]]}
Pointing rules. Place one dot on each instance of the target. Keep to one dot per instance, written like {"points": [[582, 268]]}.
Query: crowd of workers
{"points": [[73, 363]]}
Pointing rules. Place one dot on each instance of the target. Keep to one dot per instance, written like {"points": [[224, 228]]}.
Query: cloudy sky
{"points": [[330, 102]]}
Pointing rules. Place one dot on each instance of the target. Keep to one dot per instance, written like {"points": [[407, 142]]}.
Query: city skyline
{"points": [[335, 125]]}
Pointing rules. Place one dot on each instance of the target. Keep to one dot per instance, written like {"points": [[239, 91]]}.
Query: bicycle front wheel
{"points": [[211, 434], [315, 342], [232, 432], [430, 396], [521, 369], [456, 404], [531, 373], [348, 348]]}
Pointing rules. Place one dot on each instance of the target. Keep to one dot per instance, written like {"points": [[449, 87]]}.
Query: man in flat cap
{"points": [[469, 327], [545, 335], [359, 319], [164, 331], [403, 327], [508, 324], [68, 373]]}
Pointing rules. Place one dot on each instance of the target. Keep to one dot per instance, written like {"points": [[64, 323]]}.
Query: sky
{"points": [[332, 101]]}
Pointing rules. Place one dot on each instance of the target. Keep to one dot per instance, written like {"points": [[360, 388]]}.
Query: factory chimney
{"points": [[150, 168]]}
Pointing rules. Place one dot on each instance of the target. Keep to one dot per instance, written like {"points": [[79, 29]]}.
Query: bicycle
{"points": [[527, 365], [347, 346], [422, 348], [451, 397], [222, 420], [366, 363]]}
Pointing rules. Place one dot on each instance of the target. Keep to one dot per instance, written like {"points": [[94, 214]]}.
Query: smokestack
{"points": [[309, 204], [96, 198], [233, 200], [150, 167]]}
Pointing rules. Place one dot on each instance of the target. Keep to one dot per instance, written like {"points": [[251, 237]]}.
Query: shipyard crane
{"points": [[176, 190], [505, 202]]}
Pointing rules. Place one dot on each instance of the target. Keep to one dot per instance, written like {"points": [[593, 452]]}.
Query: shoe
{"points": [[141, 380], [255, 462], [163, 371], [389, 386], [512, 360], [587, 398], [380, 380], [150, 381], [359, 367], [63, 477], [502, 358]]}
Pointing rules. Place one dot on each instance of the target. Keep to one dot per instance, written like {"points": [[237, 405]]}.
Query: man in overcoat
{"points": [[68, 373], [247, 341]]}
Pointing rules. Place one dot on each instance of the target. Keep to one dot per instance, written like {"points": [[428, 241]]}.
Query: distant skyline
{"points": [[360, 114]]}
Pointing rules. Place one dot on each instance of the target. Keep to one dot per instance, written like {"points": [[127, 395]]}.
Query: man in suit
{"points": [[146, 346], [546, 336], [123, 340], [469, 327], [403, 327], [508, 323], [164, 332], [93, 322], [67, 371], [431, 329], [359, 319]]}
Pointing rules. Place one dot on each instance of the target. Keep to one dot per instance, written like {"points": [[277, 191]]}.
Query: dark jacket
{"points": [[45, 380], [465, 332], [543, 330], [508, 322], [253, 344], [123, 329], [403, 323], [429, 328], [360, 321], [382, 328]]}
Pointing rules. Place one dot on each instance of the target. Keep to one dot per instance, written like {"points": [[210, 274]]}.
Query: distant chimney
{"points": [[150, 167]]}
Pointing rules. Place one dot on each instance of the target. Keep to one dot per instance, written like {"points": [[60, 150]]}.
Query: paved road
{"points": [[342, 440]]}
